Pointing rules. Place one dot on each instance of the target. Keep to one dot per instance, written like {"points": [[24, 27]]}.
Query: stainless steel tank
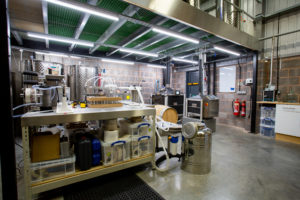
{"points": [[197, 148]]}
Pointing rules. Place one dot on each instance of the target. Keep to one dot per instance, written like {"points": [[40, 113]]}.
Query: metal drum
{"points": [[197, 148]]}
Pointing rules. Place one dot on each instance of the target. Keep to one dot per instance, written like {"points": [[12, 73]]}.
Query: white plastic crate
{"points": [[140, 129], [141, 146], [267, 121], [42, 171], [267, 131], [267, 112], [114, 152]]}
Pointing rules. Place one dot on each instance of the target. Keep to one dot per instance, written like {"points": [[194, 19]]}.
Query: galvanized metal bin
{"points": [[197, 152]]}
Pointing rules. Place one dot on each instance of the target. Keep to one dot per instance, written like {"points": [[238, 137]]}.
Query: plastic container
{"points": [[42, 171], [267, 112], [267, 131], [114, 152], [141, 146], [96, 149], [83, 149], [140, 129], [173, 145], [268, 121]]}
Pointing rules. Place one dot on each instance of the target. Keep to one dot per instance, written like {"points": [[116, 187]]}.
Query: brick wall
{"points": [[225, 107], [124, 75], [178, 81], [289, 79]]}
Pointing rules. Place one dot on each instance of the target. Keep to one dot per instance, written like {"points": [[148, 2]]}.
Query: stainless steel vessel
{"points": [[197, 148], [210, 106]]}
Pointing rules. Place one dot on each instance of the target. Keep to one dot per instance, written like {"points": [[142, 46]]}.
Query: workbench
{"points": [[36, 119]]}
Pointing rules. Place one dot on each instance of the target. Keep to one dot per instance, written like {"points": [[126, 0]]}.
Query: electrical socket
{"points": [[243, 92]]}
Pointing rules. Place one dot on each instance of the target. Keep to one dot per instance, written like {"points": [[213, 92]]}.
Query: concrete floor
{"points": [[244, 166]]}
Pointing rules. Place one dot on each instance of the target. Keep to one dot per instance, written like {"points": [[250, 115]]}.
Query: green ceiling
{"points": [[64, 21]]}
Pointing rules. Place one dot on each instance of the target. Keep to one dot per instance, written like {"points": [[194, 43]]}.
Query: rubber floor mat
{"points": [[120, 185]]}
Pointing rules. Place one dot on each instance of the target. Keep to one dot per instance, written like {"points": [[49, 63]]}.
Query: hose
{"points": [[23, 105], [164, 148], [165, 151]]}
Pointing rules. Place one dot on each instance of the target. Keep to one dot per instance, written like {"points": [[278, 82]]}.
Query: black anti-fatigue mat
{"points": [[119, 185]]}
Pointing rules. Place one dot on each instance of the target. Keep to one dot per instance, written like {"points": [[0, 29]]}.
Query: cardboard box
{"points": [[45, 147]]}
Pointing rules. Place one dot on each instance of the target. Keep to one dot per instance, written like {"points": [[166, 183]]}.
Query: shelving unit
{"points": [[79, 115]]}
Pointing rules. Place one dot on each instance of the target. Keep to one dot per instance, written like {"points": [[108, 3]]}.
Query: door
{"points": [[192, 83]]}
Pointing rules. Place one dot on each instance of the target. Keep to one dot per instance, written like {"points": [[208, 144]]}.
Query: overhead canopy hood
{"points": [[184, 13]]}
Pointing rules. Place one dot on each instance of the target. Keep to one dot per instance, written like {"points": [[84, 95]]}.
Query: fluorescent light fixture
{"points": [[185, 60], [176, 35], [156, 66], [75, 57], [38, 52], [117, 61], [57, 54], [226, 51], [144, 53], [82, 9], [51, 54], [60, 39]]}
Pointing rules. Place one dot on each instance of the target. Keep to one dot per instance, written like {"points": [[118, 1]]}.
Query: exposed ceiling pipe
{"points": [[272, 56]]}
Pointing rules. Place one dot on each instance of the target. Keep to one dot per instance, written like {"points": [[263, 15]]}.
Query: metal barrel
{"points": [[197, 153]]}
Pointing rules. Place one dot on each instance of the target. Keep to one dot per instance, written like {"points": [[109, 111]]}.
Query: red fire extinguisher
{"points": [[236, 107], [243, 110]]}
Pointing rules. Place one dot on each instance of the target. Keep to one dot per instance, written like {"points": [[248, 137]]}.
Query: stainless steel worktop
{"points": [[84, 114]]}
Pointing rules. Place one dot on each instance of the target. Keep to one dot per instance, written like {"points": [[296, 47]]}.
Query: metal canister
{"points": [[197, 152]]}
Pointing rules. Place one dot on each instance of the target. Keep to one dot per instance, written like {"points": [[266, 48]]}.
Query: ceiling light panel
{"points": [[73, 6], [226, 51], [156, 66], [117, 61], [144, 53], [185, 60], [60, 39], [176, 35]]}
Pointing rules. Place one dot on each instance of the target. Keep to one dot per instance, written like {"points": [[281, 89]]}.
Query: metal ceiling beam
{"points": [[120, 16], [45, 20], [157, 38], [164, 47], [129, 11], [171, 45], [61, 38], [186, 14], [70, 54], [17, 37], [139, 33], [177, 51], [82, 22], [186, 49]]}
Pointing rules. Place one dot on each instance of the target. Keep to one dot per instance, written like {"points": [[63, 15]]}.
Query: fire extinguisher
{"points": [[243, 110], [236, 107]]}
